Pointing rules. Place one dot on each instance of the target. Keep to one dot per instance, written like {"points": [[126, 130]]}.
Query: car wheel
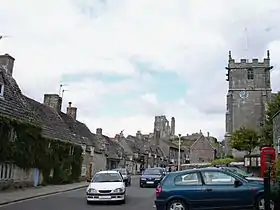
{"points": [[177, 205], [260, 204], [141, 185], [88, 202], [123, 201]]}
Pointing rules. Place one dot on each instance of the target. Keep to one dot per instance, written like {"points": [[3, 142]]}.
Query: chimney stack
{"points": [[71, 111], [7, 63], [172, 132], [99, 131], [138, 135], [208, 134], [54, 101]]}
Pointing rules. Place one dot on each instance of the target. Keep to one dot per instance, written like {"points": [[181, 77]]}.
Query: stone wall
{"points": [[12, 176], [99, 163], [201, 151]]}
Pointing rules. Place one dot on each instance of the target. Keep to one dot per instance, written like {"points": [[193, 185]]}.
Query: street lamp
{"points": [[179, 152]]}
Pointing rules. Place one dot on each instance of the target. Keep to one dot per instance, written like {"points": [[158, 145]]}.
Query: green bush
{"points": [[23, 143], [222, 161]]}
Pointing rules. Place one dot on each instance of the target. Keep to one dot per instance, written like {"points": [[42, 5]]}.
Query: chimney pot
{"points": [[99, 131], [7, 62], [53, 100], [70, 104]]}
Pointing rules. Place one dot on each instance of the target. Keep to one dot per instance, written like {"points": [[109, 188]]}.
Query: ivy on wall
{"points": [[22, 143]]}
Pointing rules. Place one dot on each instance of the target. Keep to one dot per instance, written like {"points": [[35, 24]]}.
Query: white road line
{"points": [[40, 197]]}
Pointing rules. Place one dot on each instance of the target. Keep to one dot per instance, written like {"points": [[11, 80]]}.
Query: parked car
{"points": [[125, 174], [209, 188], [240, 172], [151, 177], [106, 186]]}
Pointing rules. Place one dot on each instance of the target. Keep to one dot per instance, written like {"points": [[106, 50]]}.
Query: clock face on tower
{"points": [[243, 94]]}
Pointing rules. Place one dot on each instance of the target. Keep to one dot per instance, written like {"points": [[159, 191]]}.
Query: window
{"points": [[107, 177], [84, 149], [250, 74], [91, 151], [188, 179], [151, 171], [217, 178], [1, 89]]}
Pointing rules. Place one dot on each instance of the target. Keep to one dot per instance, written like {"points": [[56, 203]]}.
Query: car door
{"points": [[220, 191], [189, 186]]}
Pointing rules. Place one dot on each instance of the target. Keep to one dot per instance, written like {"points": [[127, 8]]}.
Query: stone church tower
{"points": [[249, 90]]}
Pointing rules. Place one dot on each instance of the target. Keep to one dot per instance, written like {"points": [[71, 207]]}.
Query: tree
{"points": [[245, 139], [267, 129]]}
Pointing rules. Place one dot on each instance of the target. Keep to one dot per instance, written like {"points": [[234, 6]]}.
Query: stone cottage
{"points": [[52, 123], [198, 148]]}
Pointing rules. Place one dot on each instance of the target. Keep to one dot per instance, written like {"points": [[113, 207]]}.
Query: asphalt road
{"points": [[137, 199]]}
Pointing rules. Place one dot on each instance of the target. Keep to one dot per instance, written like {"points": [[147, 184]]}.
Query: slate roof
{"points": [[13, 103], [79, 130], [144, 145], [188, 141], [126, 145], [53, 126], [113, 149]]}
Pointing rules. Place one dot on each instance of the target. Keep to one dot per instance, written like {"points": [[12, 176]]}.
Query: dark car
{"points": [[209, 188], [244, 174], [125, 174], [151, 177]]}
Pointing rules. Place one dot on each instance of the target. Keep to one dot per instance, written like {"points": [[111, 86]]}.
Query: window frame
{"points": [[1, 89], [200, 181], [250, 74], [217, 184]]}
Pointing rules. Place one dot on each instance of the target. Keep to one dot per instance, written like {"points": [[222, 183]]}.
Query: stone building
{"points": [[55, 125], [198, 148], [249, 90], [161, 124]]}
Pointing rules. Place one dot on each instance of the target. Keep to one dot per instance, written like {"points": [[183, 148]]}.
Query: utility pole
{"points": [[179, 152]]}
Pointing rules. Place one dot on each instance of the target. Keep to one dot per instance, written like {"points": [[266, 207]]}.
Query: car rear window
{"points": [[188, 179], [152, 172]]}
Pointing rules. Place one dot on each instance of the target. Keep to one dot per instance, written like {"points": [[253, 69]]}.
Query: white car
{"points": [[106, 186]]}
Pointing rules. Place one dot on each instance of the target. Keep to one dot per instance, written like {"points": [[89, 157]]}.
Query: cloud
{"points": [[52, 39]]}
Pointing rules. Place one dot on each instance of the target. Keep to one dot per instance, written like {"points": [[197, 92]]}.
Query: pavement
{"points": [[75, 199]]}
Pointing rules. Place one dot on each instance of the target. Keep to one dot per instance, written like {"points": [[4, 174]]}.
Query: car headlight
{"points": [[91, 190], [143, 178], [118, 190]]}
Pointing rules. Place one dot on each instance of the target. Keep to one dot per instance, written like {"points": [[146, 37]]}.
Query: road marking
{"points": [[39, 197]]}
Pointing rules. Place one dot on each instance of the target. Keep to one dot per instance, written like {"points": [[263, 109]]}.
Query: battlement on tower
{"points": [[247, 63]]}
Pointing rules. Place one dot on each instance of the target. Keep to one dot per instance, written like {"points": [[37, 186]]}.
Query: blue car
{"points": [[151, 177], [208, 188]]}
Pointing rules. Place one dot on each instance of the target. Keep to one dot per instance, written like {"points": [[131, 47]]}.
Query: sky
{"points": [[123, 62]]}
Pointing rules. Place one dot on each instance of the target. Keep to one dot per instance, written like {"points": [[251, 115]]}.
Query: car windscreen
{"points": [[123, 171], [152, 172], [239, 172], [107, 177]]}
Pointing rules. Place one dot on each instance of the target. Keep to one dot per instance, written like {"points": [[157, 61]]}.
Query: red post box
{"points": [[268, 159]]}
